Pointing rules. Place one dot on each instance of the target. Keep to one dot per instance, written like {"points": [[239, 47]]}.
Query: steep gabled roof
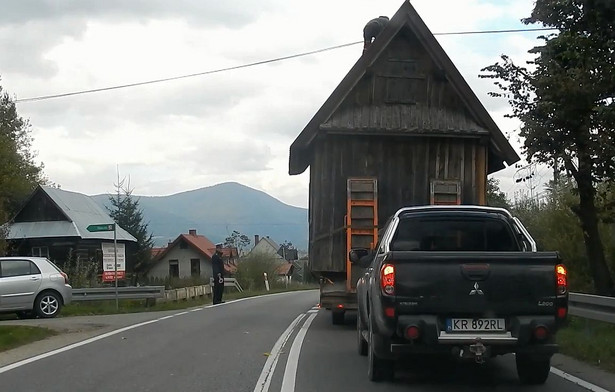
{"points": [[79, 211], [197, 242], [406, 16]]}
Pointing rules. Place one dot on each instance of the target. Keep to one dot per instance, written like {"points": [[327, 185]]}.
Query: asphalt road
{"points": [[272, 343]]}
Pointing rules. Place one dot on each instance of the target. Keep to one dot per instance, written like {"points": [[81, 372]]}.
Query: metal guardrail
{"points": [[228, 282], [593, 307], [108, 293], [145, 292]]}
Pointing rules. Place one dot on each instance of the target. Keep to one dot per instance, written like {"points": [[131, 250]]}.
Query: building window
{"points": [[195, 267], [40, 251], [183, 245], [173, 268]]}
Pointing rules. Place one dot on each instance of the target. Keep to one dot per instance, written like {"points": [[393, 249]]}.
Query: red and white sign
{"points": [[109, 259]]}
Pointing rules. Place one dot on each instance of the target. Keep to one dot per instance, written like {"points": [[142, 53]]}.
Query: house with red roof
{"points": [[189, 256]]}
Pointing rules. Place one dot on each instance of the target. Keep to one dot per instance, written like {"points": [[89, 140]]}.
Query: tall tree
{"points": [[126, 213], [238, 241], [19, 174], [495, 197], [566, 101]]}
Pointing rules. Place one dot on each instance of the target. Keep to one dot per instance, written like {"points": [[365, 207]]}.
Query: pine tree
{"points": [[126, 213]]}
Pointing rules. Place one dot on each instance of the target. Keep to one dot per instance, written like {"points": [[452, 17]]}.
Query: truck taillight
{"points": [[387, 279], [561, 277]]}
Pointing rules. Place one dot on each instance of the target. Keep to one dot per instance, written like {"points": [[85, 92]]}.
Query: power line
{"points": [[277, 59]]}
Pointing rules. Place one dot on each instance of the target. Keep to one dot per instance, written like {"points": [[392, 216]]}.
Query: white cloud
{"points": [[231, 126]]}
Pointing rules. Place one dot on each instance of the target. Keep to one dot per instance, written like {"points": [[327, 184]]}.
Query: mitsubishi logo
{"points": [[476, 290]]}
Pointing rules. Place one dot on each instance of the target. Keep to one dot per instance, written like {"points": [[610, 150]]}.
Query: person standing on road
{"points": [[217, 266]]}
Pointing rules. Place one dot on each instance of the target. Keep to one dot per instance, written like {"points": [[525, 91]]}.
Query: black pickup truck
{"points": [[461, 281]]}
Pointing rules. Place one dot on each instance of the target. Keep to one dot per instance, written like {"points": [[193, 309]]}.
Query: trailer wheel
{"points": [[337, 317]]}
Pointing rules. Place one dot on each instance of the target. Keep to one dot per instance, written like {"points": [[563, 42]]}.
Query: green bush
{"points": [[250, 272], [81, 272]]}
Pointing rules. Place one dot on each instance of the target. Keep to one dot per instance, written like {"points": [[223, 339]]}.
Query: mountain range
{"points": [[217, 210]]}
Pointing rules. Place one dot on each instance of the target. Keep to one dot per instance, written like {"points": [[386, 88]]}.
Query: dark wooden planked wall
{"points": [[404, 168]]}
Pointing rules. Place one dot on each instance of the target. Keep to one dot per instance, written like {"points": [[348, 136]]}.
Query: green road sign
{"points": [[102, 227]]}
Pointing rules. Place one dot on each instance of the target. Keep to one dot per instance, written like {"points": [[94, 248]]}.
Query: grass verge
{"points": [[589, 341], [12, 336]]}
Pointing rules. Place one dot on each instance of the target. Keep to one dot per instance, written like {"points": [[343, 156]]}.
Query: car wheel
{"points": [[47, 304], [361, 342], [337, 317], [531, 370], [378, 369]]}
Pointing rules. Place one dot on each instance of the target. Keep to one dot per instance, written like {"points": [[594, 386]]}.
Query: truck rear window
{"points": [[450, 234]]}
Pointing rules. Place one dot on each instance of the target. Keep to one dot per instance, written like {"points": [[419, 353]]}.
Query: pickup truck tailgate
{"points": [[475, 284]]}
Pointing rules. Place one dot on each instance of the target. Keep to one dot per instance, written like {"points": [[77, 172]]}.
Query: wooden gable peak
{"points": [[406, 18]]}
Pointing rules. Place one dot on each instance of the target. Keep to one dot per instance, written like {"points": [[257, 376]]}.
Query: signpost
{"points": [[109, 227]]}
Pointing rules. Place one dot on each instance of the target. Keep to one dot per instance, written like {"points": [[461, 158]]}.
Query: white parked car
{"points": [[32, 286]]}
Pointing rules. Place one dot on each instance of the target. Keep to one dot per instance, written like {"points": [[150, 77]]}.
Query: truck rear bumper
{"points": [[338, 301], [434, 340]]}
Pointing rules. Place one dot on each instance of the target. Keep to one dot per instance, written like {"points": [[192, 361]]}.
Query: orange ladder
{"points": [[361, 219]]}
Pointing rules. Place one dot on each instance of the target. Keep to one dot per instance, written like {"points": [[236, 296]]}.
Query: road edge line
{"points": [[72, 346], [582, 383]]}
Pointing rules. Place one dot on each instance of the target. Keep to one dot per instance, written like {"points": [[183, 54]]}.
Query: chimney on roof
{"points": [[192, 231], [256, 238]]}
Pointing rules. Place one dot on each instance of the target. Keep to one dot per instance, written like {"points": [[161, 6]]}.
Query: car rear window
{"points": [[453, 234]]}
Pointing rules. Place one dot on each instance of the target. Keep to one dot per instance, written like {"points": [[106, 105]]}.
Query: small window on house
{"points": [[173, 268], [195, 267], [40, 251], [183, 245]]}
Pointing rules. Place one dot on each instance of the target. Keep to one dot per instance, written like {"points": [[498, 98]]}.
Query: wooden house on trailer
{"points": [[406, 118]]}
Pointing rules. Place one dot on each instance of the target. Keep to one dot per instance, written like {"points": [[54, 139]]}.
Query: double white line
{"points": [[290, 372]]}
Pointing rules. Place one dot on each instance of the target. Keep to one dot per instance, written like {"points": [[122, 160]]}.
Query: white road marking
{"points": [[262, 385], [290, 373], [72, 346], [576, 380], [117, 331], [313, 311]]}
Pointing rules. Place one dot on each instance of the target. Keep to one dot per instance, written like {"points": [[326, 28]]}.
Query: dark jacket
{"points": [[217, 265]]}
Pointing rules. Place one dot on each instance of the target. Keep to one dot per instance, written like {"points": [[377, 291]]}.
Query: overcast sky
{"points": [[229, 126]]}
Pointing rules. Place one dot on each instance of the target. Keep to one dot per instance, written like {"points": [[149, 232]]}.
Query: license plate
{"points": [[473, 325]]}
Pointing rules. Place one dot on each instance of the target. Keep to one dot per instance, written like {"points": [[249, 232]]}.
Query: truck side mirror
{"points": [[361, 256]]}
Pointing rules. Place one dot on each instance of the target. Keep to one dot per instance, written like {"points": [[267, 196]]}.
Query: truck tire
{"points": [[337, 317], [361, 342], [532, 371], [378, 369]]}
